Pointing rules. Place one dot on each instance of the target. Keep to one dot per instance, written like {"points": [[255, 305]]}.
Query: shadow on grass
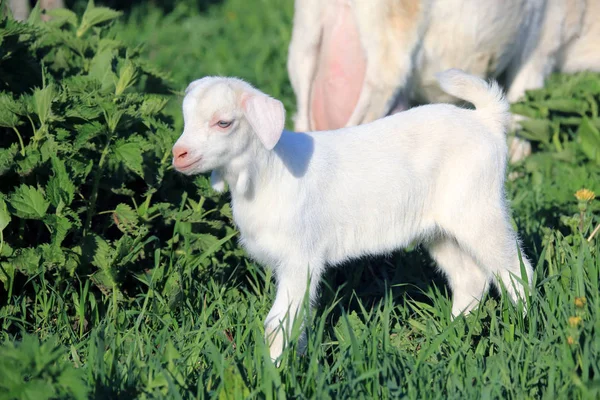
{"points": [[126, 5], [363, 283]]}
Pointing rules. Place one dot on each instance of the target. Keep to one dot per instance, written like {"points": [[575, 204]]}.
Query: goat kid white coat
{"points": [[303, 201]]}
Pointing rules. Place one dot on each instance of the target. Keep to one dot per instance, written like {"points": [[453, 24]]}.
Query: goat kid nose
{"points": [[180, 154]]}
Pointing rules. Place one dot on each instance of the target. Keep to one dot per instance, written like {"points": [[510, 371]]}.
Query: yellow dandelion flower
{"points": [[580, 302], [585, 195], [570, 340], [574, 321]]}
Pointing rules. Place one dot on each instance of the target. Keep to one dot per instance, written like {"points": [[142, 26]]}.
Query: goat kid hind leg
{"points": [[294, 279], [493, 244], [467, 280]]}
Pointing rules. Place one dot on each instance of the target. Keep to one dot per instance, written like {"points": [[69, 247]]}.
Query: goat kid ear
{"points": [[266, 115], [195, 83]]}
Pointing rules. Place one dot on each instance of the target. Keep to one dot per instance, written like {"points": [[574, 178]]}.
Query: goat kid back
{"points": [[304, 201]]}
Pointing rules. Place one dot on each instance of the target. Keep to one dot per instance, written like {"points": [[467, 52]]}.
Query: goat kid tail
{"points": [[488, 98]]}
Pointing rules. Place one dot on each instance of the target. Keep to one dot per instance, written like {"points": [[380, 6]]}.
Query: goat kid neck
{"points": [[252, 168]]}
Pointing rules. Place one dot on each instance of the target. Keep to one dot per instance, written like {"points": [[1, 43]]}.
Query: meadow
{"points": [[120, 278]]}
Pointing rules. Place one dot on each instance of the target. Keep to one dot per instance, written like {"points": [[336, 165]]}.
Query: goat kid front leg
{"points": [[294, 280]]}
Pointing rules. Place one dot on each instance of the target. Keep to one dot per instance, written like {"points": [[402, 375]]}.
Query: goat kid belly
{"points": [[273, 238], [375, 232], [273, 235]]}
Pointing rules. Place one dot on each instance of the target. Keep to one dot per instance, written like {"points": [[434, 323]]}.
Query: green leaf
{"points": [[130, 153], [8, 118], [213, 248], [566, 105], [526, 110], [112, 119], [105, 282], [7, 158], [54, 192], [6, 250], [172, 288], [83, 111], [170, 353], [127, 77], [35, 16], [86, 133], [152, 105], [27, 261], [104, 255], [226, 211], [589, 137], [4, 215], [234, 385], [59, 227], [347, 326], [205, 241], [94, 16], [48, 149], [72, 382], [60, 187], [101, 68], [7, 271], [72, 262], [52, 255], [125, 218], [19, 106], [130, 248], [29, 202], [586, 83], [536, 129], [32, 159], [39, 370], [63, 15], [123, 191], [42, 99], [4, 221]]}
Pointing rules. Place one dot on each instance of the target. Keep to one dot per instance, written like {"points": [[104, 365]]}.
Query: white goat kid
{"points": [[303, 201]]}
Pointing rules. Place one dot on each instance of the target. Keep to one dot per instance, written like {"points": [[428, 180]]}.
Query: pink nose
{"points": [[180, 156]]}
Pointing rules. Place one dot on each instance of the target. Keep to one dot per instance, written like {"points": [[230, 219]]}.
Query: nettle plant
{"points": [[563, 120], [86, 185], [563, 117]]}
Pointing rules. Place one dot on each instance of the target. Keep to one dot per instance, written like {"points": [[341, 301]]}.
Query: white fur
{"points": [[406, 42], [433, 174]]}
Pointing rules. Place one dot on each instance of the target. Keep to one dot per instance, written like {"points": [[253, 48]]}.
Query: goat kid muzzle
{"points": [[183, 159]]}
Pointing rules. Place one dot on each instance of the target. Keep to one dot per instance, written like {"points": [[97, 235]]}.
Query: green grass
{"points": [[192, 327], [244, 39]]}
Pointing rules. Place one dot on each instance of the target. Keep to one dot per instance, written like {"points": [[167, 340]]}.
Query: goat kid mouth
{"points": [[188, 166]]}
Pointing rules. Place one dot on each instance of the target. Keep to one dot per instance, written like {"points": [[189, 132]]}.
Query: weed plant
{"points": [[121, 279]]}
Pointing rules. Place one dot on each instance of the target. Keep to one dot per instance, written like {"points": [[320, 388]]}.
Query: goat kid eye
{"points": [[224, 124]]}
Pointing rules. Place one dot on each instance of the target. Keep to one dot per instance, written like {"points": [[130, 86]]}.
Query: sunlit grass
{"points": [[382, 328]]}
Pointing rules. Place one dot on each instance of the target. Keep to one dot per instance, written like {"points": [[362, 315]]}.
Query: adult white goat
{"points": [[303, 201], [353, 61]]}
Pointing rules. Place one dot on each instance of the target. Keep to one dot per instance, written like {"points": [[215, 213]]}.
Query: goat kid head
{"points": [[222, 118]]}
